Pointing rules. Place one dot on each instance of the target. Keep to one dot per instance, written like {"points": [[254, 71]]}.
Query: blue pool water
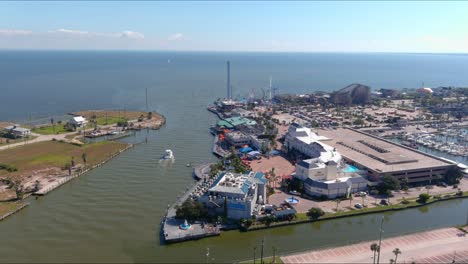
{"points": [[350, 168]]}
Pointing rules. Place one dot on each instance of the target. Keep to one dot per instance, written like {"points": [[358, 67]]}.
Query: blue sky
{"points": [[237, 26]]}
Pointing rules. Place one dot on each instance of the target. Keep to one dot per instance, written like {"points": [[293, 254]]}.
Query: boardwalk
{"points": [[170, 225], [437, 246]]}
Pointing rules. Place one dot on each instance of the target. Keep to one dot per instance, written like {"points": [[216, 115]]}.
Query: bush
{"points": [[459, 193], [404, 201], [438, 197], [315, 213], [423, 197], [9, 168]]}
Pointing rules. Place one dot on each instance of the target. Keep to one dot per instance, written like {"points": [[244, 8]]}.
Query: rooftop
{"points": [[237, 183], [378, 154]]}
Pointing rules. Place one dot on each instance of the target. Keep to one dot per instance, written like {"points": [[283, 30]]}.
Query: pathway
{"points": [[436, 246]]}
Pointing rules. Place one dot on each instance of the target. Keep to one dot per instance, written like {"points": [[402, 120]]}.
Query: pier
{"points": [[170, 224]]}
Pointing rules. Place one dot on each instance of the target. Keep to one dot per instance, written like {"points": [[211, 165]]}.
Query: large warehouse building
{"points": [[382, 157]]}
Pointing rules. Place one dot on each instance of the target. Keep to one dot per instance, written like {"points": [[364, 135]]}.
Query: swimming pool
{"points": [[350, 168]]}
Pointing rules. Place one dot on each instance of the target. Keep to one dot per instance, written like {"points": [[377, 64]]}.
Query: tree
{"points": [[424, 197], [358, 122], [53, 124], [18, 189], [315, 212], [397, 252], [388, 183], [84, 157], [374, 247], [453, 175], [337, 201], [272, 177], [191, 210]]}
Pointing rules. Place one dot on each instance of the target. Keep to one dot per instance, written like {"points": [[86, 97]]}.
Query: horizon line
{"points": [[237, 51]]}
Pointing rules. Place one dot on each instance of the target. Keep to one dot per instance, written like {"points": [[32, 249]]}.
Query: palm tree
{"points": [[397, 252], [374, 247], [337, 201], [272, 176]]}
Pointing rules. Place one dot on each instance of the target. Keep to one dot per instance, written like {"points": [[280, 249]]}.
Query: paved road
{"points": [[436, 246], [39, 138]]}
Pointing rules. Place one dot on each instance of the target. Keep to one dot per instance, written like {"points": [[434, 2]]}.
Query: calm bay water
{"points": [[112, 214]]}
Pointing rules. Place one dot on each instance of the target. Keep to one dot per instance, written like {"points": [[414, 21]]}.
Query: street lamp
{"points": [[380, 239]]}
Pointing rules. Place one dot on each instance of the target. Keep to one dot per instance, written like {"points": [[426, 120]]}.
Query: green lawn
{"points": [[47, 154], [50, 130], [102, 121], [6, 207]]}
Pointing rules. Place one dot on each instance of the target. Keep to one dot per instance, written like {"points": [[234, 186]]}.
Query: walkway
{"points": [[436, 246]]}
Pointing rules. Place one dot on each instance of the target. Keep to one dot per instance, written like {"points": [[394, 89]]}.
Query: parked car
{"points": [[442, 184], [358, 206], [383, 202], [294, 193]]}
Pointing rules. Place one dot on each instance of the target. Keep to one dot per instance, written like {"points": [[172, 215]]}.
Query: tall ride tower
{"points": [[229, 92]]}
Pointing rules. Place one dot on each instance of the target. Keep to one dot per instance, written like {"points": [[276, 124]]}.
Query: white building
{"points": [[303, 140], [321, 173], [17, 132], [240, 192], [78, 121]]}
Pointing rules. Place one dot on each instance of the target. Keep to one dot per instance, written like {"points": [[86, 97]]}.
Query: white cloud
{"points": [[14, 32], [71, 32], [132, 35], [124, 34], [175, 37]]}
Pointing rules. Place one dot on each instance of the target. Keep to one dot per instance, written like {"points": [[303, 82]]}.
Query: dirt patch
{"points": [[49, 157]]}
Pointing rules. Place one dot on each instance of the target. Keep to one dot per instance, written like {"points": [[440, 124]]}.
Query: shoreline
{"points": [[71, 177], [359, 213], [63, 180]]}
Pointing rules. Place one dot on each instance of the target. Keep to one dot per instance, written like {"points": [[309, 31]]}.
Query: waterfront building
{"points": [[237, 139], [78, 121], [17, 132], [306, 142], [322, 173], [381, 157], [238, 194], [329, 179]]}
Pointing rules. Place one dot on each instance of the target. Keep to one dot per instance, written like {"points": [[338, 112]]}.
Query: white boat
{"points": [[168, 155]]}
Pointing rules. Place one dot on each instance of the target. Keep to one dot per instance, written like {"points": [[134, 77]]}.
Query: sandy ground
{"points": [[436, 246], [282, 166]]}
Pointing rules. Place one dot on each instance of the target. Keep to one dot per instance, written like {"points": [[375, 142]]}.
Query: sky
{"points": [[306, 26]]}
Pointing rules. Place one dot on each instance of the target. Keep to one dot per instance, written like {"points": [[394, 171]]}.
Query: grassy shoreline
{"points": [[303, 218]]}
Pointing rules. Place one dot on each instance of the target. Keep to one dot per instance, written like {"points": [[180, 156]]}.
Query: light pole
{"points": [[261, 252], [255, 250], [380, 240]]}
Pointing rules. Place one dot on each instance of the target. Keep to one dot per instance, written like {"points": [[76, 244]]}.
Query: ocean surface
{"points": [[112, 214]]}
